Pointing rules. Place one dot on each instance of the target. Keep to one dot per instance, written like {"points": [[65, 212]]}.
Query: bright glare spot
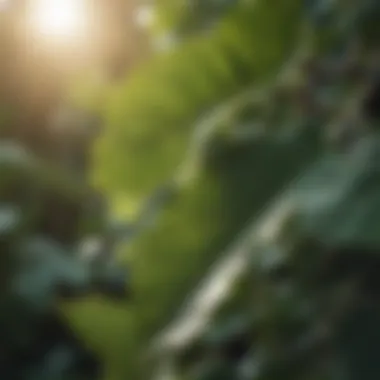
{"points": [[145, 16], [58, 18]]}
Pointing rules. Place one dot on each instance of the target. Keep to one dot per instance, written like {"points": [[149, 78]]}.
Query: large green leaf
{"points": [[150, 116]]}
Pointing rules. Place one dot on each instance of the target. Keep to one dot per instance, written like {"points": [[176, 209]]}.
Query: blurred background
{"points": [[189, 189]]}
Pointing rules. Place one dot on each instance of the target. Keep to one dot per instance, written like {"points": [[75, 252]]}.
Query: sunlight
{"points": [[58, 18]]}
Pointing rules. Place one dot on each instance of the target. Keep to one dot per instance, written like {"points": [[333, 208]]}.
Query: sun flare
{"points": [[58, 18]]}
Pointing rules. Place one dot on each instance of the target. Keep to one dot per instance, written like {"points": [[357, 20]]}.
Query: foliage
{"points": [[182, 110], [150, 122], [150, 116], [188, 18], [41, 263], [305, 311]]}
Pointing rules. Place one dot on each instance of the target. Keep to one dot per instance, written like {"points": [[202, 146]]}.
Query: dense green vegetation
{"points": [[176, 118]]}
